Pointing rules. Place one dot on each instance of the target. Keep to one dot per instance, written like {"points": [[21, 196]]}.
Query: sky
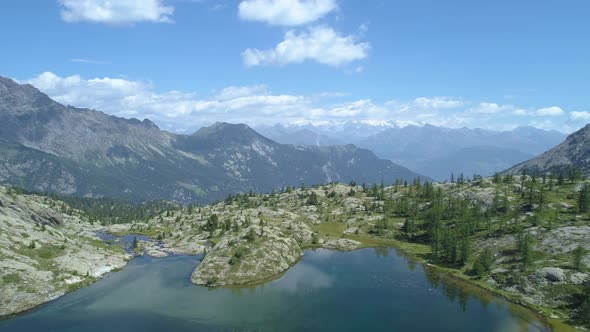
{"points": [[188, 63]]}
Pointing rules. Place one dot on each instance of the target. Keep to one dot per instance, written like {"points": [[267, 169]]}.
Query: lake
{"points": [[362, 290]]}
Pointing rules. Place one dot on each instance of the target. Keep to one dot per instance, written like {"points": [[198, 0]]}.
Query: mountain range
{"points": [[50, 147], [574, 152], [434, 151]]}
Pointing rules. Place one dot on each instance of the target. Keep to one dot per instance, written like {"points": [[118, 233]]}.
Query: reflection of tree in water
{"points": [[451, 288], [382, 251], [433, 277], [457, 291], [408, 258]]}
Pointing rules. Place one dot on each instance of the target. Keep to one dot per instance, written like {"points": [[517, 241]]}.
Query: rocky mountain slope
{"points": [[461, 150], [46, 146], [434, 151], [45, 252], [298, 137], [574, 152]]}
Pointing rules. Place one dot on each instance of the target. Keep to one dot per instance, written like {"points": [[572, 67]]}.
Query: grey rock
{"points": [[578, 278], [552, 274]]}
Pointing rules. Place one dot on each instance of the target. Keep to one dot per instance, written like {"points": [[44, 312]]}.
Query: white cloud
{"points": [[364, 108], [232, 92], [115, 12], [520, 111], [257, 104], [491, 108], [437, 102], [321, 44], [285, 12], [543, 124], [171, 109], [582, 115], [423, 104], [549, 111], [89, 61]]}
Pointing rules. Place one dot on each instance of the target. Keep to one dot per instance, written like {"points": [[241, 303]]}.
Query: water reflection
{"points": [[306, 278], [363, 290]]}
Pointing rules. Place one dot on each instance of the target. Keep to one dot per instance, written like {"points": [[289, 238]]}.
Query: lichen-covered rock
{"points": [[238, 260], [552, 274], [578, 278], [566, 239], [353, 204], [341, 244], [45, 254]]}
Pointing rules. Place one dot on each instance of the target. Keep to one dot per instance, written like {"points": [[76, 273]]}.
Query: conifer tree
{"points": [[526, 250], [483, 263], [577, 256], [584, 199]]}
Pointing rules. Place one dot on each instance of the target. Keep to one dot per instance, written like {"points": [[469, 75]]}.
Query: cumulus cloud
{"points": [[424, 104], [582, 115], [549, 111], [438, 102], [490, 108], [115, 12], [363, 108], [285, 12], [320, 44], [256, 104], [172, 109]]}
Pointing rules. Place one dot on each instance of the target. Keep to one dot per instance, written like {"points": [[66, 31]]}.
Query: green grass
{"points": [[100, 244], [152, 232], [194, 188], [11, 278], [330, 229]]}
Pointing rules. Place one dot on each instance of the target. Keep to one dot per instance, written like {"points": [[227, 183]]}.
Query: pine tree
{"points": [[526, 250], [483, 263], [577, 256], [551, 180], [409, 228], [522, 179], [251, 235], [561, 179], [213, 222], [465, 248], [497, 178], [584, 311], [541, 198], [313, 199], [584, 199]]}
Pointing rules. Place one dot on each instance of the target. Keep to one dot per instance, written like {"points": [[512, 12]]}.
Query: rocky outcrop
{"points": [[341, 244], [252, 256], [45, 254], [552, 274]]}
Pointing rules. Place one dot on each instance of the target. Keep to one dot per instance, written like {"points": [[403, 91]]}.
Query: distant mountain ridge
{"points": [[46, 146], [438, 151], [574, 152]]}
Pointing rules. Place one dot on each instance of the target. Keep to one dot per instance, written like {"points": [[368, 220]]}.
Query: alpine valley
{"points": [[86, 193], [294, 165], [49, 147]]}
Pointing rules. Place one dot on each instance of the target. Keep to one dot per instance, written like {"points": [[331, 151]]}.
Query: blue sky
{"points": [[187, 63]]}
